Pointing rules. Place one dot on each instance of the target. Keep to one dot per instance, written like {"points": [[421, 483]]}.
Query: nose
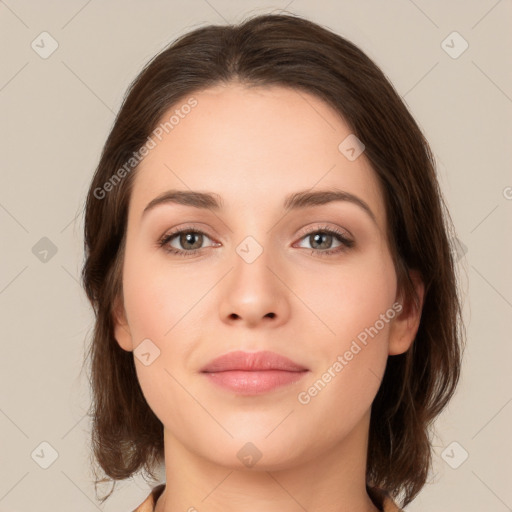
{"points": [[255, 293]]}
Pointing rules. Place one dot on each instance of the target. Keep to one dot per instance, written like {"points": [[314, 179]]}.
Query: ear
{"points": [[122, 332], [405, 326]]}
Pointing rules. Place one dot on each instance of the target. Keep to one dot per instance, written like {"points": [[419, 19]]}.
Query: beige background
{"points": [[56, 114]]}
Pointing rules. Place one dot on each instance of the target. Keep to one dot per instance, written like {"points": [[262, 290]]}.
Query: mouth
{"points": [[254, 382], [252, 373]]}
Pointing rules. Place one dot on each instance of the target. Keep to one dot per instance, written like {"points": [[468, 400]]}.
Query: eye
{"points": [[190, 239], [322, 238]]}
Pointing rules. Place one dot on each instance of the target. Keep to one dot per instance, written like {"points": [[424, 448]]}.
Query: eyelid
{"points": [[187, 227], [321, 226], [302, 233], [171, 233]]}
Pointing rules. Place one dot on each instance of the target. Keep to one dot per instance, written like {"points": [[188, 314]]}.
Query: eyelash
{"points": [[346, 242]]}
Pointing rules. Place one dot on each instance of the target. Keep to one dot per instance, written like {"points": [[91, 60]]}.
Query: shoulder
{"points": [[148, 505]]}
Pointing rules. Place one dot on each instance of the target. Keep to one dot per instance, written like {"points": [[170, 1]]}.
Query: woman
{"points": [[277, 317]]}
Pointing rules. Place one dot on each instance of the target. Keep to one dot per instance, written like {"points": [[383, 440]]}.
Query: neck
{"points": [[332, 480]]}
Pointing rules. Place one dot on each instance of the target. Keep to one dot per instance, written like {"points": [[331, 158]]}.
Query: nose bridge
{"points": [[252, 291]]}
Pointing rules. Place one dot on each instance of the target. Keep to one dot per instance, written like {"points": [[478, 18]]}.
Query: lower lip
{"points": [[254, 382]]}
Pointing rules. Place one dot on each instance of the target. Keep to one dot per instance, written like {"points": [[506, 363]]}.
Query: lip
{"points": [[253, 372], [252, 361]]}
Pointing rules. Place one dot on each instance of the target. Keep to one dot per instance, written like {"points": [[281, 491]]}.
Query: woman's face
{"points": [[262, 277]]}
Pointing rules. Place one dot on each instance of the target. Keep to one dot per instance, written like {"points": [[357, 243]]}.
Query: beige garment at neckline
{"points": [[381, 498]]}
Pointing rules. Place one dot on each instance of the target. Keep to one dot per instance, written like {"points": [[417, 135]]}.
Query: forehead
{"points": [[253, 146]]}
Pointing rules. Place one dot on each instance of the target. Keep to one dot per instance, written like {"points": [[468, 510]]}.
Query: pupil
{"points": [[318, 236], [189, 238]]}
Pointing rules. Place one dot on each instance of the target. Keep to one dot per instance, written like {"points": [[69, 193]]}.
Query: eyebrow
{"points": [[295, 201]]}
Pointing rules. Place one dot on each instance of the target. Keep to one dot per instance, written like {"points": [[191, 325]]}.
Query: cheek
{"points": [[157, 300], [350, 297], [160, 306], [354, 303], [351, 355]]}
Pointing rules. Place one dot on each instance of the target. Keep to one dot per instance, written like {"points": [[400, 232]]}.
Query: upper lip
{"points": [[252, 361]]}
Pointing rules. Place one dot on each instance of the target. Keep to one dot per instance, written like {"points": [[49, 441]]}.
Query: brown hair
{"points": [[289, 51]]}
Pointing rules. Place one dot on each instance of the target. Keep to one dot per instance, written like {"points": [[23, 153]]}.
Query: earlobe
{"points": [[405, 325], [121, 329]]}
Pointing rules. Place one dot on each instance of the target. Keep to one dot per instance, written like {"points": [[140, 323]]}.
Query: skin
{"points": [[253, 147]]}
